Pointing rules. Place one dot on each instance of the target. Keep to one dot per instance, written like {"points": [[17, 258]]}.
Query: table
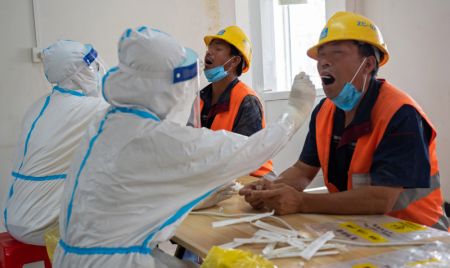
{"points": [[197, 234]]}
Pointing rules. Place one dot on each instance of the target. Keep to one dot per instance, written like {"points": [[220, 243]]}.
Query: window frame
{"points": [[262, 74]]}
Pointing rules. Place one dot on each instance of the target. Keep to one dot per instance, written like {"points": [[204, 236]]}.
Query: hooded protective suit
{"points": [[51, 131], [137, 174]]}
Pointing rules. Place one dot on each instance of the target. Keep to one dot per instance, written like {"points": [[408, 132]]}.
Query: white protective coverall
{"points": [[51, 131], [138, 174]]}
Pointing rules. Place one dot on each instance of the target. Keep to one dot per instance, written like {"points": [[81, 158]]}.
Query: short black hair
{"points": [[367, 50], [236, 52]]}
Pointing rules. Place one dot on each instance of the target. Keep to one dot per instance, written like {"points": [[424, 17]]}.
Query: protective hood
{"points": [[72, 65], [154, 72]]}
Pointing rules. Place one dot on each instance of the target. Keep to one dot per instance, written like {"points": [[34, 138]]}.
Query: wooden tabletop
{"points": [[197, 234]]}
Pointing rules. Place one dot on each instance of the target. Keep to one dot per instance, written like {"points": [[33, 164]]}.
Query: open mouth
{"points": [[327, 79], [208, 62]]}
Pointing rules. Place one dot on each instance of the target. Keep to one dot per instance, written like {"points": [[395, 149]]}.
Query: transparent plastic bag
{"points": [[376, 230], [430, 255], [51, 238], [234, 258]]}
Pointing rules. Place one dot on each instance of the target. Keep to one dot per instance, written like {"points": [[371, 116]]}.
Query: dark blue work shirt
{"points": [[248, 119], [401, 158]]}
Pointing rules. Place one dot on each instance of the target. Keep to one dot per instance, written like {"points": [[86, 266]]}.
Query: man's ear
{"points": [[370, 65], [236, 60]]}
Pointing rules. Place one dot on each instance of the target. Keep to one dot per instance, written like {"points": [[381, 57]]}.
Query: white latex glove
{"points": [[220, 195], [301, 101]]}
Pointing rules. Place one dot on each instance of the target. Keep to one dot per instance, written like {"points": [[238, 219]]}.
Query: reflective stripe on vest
{"points": [[225, 120], [424, 206], [409, 202]]}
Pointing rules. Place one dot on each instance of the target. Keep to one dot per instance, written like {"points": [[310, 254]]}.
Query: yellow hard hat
{"points": [[351, 26], [235, 36]]}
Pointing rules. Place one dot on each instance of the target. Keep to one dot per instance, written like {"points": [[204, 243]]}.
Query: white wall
{"points": [[97, 22], [418, 38], [21, 81]]}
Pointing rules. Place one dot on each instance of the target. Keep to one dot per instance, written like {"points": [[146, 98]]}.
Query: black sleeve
{"points": [[249, 117], [309, 153], [402, 157]]}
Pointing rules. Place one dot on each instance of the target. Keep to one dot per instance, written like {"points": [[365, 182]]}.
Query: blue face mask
{"points": [[349, 95], [217, 73]]}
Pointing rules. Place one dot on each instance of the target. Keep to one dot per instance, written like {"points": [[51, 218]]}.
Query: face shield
{"points": [[90, 79], [187, 75], [197, 110]]}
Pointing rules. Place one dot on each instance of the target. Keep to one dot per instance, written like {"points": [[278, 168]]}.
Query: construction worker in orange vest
{"points": [[375, 145], [227, 103]]}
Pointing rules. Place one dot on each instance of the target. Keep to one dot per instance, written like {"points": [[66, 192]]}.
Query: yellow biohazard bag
{"points": [[51, 237], [234, 258]]}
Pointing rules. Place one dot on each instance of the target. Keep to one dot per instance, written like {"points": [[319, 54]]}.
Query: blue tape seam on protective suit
{"points": [[17, 174], [180, 213], [142, 249], [113, 69], [11, 189], [47, 101], [142, 114], [142, 28], [68, 91], [38, 178], [103, 250]]}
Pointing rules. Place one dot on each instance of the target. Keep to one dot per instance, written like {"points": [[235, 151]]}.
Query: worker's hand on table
{"points": [[246, 191], [282, 198], [220, 195]]}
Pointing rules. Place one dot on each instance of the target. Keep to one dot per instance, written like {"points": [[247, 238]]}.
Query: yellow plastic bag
{"points": [[51, 238], [234, 258]]}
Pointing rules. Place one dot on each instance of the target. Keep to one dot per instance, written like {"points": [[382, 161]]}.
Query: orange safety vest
{"points": [[225, 120], [420, 205]]}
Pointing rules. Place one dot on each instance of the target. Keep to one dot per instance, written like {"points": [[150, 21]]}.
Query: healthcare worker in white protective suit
{"points": [[51, 131], [138, 174]]}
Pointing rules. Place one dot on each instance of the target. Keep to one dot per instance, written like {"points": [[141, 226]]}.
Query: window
{"points": [[297, 28], [281, 32]]}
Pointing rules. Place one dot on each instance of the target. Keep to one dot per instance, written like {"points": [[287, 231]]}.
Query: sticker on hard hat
{"points": [[324, 33], [221, 32], [366, 24]]}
